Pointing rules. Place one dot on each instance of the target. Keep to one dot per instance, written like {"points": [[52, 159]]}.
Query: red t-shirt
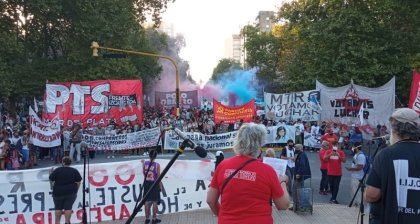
{"points": [[323, 165], [334, 163], [330, 139], [247, 196]]}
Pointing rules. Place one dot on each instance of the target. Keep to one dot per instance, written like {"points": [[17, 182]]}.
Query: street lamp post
{"points": [[95, 46]]}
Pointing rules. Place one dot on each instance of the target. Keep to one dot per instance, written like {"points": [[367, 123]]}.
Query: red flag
{"points": [[414, 101]]}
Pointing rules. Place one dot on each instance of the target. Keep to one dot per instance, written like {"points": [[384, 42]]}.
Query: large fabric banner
{"points": [[354, 104], [232, 114], [187, 99], [279, 134], [94, 102], [113, 191], [134, 140], [293, 106], [44, 134], [414, 102]]}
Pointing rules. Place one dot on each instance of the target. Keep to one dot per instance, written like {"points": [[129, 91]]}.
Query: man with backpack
{"points": [[357, 169]]}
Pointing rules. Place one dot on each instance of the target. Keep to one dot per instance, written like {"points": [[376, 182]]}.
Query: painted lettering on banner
{"points": [[278, 134], [133, 140], [188, 99], [232, 114], [44, 134], [114, 189], [94, 102], [292, 106], [354, 104]]}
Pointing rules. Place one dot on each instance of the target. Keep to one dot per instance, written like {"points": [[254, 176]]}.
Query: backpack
{"points": [[366, 168]]}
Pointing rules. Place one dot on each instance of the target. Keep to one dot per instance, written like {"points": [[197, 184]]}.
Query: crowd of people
{"points": [[17, 152]]}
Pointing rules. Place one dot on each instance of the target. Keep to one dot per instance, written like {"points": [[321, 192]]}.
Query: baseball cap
{"points": [[406, 115], [219, 153]]}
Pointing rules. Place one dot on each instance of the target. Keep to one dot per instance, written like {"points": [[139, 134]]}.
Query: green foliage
{"points": [[335, 41], [262, 52], [49, 40], [224, 66]]}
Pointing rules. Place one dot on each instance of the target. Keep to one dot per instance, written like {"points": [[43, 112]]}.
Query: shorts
{"points": [[64, 202], [155, 194], [25, 155]]}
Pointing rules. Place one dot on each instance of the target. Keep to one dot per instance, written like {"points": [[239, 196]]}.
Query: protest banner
{"points": [[414, 102], [292, 106], [44, 134], [343, 104], [312, 140], [94, 102], [278, 134], [133, 140], [232, 114], [114, 189], [279, 165], [187, 99]]}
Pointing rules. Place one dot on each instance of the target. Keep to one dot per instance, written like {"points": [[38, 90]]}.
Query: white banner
{"points": [[44, 134], [293, 106], [133, 140], [312, 140], [354, 104], [114, 188], [279, 134]]}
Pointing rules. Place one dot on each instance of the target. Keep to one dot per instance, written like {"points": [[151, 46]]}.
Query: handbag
{"points": [[234, 173]]}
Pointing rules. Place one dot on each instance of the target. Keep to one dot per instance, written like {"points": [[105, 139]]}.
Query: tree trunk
{"points": [[12, 107]]}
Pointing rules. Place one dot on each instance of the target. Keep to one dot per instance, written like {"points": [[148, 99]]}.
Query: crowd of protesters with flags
{"points": [[17, 152]]}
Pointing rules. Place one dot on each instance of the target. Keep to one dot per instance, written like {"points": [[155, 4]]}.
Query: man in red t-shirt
{"points": [[323, 186], [330, 137], [334, 157]]}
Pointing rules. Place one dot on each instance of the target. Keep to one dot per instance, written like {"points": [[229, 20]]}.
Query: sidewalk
{"points": [[323, 214]]}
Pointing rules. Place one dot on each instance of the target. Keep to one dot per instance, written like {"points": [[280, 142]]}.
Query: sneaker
{"points": [[333, 201], [156, 221], [147, 221], [110, 157], [113, 157]]}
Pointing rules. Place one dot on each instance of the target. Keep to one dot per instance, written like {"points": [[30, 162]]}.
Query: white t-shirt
{"points": [[290, 153], [358, 159], [315, 130], [299, 128]]}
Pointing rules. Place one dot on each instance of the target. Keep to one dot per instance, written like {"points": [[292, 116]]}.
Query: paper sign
{"points": [[279, 165]]}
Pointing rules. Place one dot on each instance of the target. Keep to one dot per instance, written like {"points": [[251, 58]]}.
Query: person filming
{"points": [[393, 185]]}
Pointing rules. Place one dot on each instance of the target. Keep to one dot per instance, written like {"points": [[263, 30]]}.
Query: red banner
{"points": [[231, 114], [94, 102], [414, 102]]}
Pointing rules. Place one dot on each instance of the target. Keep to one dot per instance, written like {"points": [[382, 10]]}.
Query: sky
{"points": [[207, 24]]}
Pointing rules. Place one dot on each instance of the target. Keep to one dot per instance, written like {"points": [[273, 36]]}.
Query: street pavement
{"points": [[343, 197], [323, 211], [322, 214]]}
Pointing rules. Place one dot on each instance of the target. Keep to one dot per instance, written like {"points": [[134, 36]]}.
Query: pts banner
{"points": [[231, 114], [187, 99], [94, 102]]}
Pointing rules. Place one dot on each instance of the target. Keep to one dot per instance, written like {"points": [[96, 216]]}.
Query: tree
{"points": [[262, 51], [223, 67], [335, 41], [49, 40]]}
